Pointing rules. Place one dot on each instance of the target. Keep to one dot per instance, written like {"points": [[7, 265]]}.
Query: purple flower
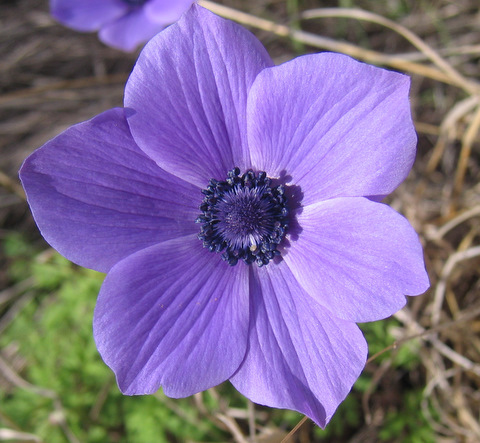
{"points": [[123, 24], [205, 109]]}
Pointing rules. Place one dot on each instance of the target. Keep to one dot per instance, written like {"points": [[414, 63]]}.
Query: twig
{"points": [[101, 399], [384, 367], [427, 128], [438, 234], [14, 291], [441, 347], [423, 333], [317, 41], [446, 52], [13, 310], [18, 381], [450, 264], [10, 434], [181, 412], [448, 127], [65, 84], [200, 404], [251, 421], [358, 14], [295, 429], [233, 428], [467, 142], [58, 413]]}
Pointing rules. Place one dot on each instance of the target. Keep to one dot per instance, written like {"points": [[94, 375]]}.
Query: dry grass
{"points": [[52, 77]]}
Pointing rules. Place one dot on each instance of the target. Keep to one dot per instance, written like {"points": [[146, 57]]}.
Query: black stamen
{"points": [[135, 2], [244, 216]]}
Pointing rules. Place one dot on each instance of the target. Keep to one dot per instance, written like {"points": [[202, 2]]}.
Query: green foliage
{"points": [[407, 425], [380, 336], [72, 390]]}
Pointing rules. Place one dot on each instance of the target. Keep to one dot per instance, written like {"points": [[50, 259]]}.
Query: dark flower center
{"points": [[244, 216], [135, 2]]}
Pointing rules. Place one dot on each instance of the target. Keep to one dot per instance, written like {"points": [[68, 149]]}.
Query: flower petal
{"points": [[358, 258], [299, 355], [174, 315], [187, 96], [130, 30], [338, 127], [87, 15], [166, 11], [97, 198]]}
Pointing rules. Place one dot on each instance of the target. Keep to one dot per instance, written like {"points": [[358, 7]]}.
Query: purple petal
{"points": [[188, 94], [129, 31], [299, 355], [97, 198], [338, 127], [87, 15], [357, 258], [166, 11], [173, 315]]}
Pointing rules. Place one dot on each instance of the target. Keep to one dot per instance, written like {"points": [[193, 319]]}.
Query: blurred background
{"points": [[422, 381]]}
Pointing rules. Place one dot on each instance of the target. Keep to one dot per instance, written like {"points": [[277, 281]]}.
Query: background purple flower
{"points": [[121, 193], [122, 24]]}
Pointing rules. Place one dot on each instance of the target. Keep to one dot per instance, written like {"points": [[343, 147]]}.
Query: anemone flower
{"points": [[234, 206], [122, 24]]}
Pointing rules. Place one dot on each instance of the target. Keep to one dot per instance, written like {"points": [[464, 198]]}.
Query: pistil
{"points": [[244, 216]]}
